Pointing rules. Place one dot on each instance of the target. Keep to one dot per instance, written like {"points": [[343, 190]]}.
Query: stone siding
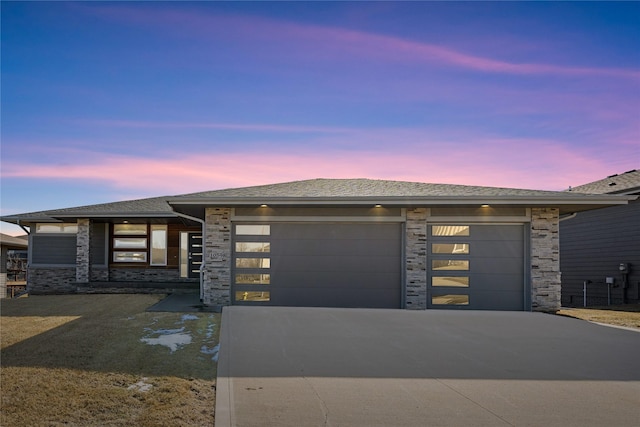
{"points": [[132, 274], [51, 280], [99, 274], [217, 257], [416, 259], [545, 259], [83, 251]]}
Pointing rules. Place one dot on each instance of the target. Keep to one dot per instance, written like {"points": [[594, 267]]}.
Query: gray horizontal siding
{"points": [[592, 245], [53, 249]]}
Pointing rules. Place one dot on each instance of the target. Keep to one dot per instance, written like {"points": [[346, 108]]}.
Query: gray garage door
{"points": [[318, 265], [476, 267]]}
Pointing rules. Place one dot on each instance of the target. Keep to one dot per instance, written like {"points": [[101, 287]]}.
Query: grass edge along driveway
{"points": [[102, 360]]}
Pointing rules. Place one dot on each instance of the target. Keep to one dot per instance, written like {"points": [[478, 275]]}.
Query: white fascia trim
{"points": [[401, 201]]}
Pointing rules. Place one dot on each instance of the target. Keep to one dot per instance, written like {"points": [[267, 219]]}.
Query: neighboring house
{"points": [[13, 261], [321, 242], [594, 244]]}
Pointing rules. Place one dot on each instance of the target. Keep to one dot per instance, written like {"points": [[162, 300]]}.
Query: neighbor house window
{"points": [[65, 228]]}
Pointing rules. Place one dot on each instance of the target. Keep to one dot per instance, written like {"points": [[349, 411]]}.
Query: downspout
{"points": [[571, 215], [201, 221]]}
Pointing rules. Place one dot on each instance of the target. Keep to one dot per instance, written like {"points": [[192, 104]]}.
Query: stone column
{"points": [[545, 259], [83, 251], [217, 257], [416, 259]]}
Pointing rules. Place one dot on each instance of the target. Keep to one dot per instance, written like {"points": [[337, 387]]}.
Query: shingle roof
{"points": [[155, 206], [326, 191], [628, 182], [13, 241], [356, 188]]}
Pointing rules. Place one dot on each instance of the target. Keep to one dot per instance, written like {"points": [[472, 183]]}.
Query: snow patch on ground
{"points": [[186, 317], [213, 351], [172, 338], [142, 386]]}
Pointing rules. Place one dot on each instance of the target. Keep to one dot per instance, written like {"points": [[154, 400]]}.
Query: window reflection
{"points": [[450, 230], [450, 248], [253, 279], [450, 299], [449, 264], [252, 247], [253, 230], [458, 282], [252, 296], [253, 262]]}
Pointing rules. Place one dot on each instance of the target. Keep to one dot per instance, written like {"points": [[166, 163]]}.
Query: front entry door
{"points": [[195, 254]]}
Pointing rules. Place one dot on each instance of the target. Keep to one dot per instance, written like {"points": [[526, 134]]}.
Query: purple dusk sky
{"points": [[107, 101]]}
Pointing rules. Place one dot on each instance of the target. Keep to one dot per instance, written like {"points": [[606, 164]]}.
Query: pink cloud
{"points": [[537, 164]]}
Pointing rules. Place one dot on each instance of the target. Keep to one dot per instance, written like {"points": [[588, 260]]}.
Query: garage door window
{"points": [[450, 299], [252, 296], [476, 266], [454, 281], [253, 279], [450, 248], [450, 265], [253, 247], [450, 230], [252, 274]]}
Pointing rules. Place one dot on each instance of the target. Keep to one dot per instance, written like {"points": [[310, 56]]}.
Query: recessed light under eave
{"points": [[484, 206], [377, 206], [264, 206]]}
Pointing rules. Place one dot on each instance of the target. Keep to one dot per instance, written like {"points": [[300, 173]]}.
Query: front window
{"points": [[63, 228], [158, 244]]}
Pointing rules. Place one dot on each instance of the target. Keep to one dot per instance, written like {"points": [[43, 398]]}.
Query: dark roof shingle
{"points": [[622, 183]]}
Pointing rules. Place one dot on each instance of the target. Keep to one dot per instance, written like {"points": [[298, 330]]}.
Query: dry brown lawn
{"points": [[101, 360], [620, 315]]}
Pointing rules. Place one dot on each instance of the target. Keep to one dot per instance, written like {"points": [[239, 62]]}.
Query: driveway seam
{"points": [[441, 381]]}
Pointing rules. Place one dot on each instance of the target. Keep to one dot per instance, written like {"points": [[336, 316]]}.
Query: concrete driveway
{"points": [[282, 366]]}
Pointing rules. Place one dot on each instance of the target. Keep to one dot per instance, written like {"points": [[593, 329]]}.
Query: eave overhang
{"points": [[566, 204]]}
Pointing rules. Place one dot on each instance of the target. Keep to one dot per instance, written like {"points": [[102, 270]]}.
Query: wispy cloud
{"points": [[325, 42], [142, 124]]}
